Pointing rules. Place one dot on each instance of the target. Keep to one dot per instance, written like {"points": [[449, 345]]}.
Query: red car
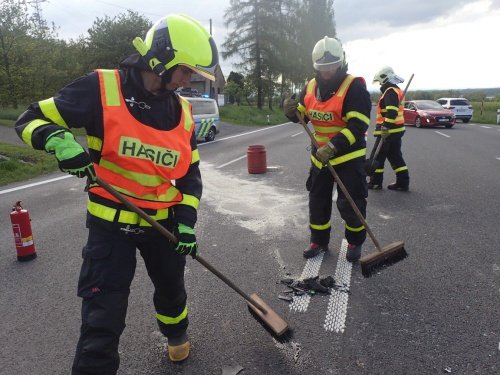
{"points": [[422, 113]]}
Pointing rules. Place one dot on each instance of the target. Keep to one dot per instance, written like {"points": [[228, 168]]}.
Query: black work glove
{"points": [[186, 238]]}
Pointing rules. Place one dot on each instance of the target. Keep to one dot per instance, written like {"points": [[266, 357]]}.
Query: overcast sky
{"points": [[447, 44]]}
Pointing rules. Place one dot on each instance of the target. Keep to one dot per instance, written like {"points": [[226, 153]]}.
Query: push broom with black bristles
{"points": [[385, 256], [268, 318]]}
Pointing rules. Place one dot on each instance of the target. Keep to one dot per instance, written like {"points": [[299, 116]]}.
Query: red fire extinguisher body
{"points": [[23, 235]]}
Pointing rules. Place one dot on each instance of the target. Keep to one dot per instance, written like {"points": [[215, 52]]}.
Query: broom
{"points": [[264, 314], [385, 256]]}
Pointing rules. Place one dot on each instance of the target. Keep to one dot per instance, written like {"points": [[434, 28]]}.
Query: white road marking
{"points": [[445, 135], [231, 162], [498, 158], [311, 269], [199, 145], [294, 135], [337, 305], [242, 134], [486, 127], [34, 184]]}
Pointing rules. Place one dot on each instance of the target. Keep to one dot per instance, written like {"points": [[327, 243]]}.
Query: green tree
{"points": [[14, 28], [110, 39], [257, 39], [235, 82], [233, 91], [316, 19]]}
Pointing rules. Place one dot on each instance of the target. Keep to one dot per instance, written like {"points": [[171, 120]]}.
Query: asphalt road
{"points": [[435, 312]]}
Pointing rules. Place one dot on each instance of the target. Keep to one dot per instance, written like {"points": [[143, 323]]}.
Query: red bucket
{"points": [[256, 157]]}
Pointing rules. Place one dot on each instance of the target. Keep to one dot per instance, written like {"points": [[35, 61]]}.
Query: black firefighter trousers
{"points": [[109, 262], [320, 186], [391, 150]]}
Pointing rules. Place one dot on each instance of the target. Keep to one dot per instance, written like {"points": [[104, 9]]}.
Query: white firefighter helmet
{"points": [[386, 74], [328, 54]]}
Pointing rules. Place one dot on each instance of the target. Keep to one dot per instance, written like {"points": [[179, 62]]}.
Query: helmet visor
{"points": [[204, 72], [327, 67]]}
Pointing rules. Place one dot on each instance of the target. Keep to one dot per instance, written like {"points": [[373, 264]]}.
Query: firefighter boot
{"points": [[178, 348], [398, 187], [373, 186], [314, 249], [353, 253]]}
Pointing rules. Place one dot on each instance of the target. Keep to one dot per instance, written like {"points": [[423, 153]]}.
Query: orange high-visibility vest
{"points": [[137, 160], [399, 120], [326, 117]]}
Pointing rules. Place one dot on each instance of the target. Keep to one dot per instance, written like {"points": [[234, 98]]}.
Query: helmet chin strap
{"points": [[166, 78]]}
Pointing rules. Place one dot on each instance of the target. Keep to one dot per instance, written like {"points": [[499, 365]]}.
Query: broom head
{"points": [[389, 255], [270, 319]]}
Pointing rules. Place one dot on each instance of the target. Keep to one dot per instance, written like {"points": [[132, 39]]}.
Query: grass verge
{"points": [[245, 115], [19, 163]]}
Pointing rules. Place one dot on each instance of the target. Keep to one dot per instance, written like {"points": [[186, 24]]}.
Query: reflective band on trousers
{"points": [[351, 229], [126, 217], [172, 320], [321, 227]]}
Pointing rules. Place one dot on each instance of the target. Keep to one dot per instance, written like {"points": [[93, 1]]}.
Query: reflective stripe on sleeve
{"points": [[49, 110], [28, 130], [348, 134], [190, 200]]}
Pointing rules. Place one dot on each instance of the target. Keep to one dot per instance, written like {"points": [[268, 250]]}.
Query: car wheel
{"points": [[466, 120], [448, 126], [210, 135], [418, 122]]}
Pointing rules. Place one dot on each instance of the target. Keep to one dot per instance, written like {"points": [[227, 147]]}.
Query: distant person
{"points": [[390, 126], [338, 106], [141, 139]]}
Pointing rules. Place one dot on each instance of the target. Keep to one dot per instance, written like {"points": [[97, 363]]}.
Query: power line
{"points": [[122, 7]]}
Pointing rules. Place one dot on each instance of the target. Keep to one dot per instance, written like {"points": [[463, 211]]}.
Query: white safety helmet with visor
{"points": [[328, 55]]}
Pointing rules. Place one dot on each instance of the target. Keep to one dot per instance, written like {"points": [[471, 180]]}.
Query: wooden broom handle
{"points": [[171, 237], [341, 185]]}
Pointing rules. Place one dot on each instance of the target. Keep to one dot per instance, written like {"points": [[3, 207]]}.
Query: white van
{"points": [[206, 117]]}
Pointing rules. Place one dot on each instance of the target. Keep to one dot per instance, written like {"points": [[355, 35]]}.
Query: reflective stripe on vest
{"points": [[125, 217], [326, 117], [137, 160]]}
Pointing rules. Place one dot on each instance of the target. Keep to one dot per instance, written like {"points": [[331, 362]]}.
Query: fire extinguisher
{"points": [[23, 236]]}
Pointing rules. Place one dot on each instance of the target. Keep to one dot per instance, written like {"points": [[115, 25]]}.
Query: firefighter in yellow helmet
{"points": [[338, 106], [390, 126], [140, 137]]}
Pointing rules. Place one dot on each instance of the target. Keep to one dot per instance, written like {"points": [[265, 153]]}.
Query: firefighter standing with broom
{"points": [[338, 106], [390, 126], [140, 138]]}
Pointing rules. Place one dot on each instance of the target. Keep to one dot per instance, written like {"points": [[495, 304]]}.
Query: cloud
{"points": [[360, 19], [446, 43]]}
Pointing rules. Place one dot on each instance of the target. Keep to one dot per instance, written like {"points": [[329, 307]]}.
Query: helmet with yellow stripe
{"points": [[178, 40]]}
